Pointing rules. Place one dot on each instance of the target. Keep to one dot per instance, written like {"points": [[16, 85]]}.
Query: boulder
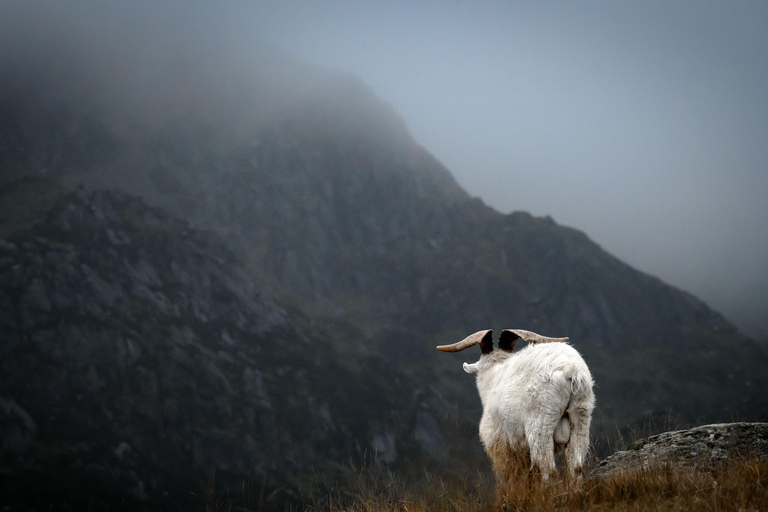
{"points": [[704, 446]]}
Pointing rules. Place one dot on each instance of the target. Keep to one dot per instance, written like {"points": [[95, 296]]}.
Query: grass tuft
{"points": [[741, 485]]}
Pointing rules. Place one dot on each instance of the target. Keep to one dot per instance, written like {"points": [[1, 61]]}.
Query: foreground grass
{"points": [[739, 486]]}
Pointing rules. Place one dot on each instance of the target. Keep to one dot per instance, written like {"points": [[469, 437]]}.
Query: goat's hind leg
{"points": [[503, 461], [543, 452], [578, 444], [512, 470], [540, 431]]}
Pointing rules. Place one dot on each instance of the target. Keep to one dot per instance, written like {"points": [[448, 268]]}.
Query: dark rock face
{"points": [[127, 324], [697, 447], [129, 331], [17, 429], [351, 222], [277, 307]]}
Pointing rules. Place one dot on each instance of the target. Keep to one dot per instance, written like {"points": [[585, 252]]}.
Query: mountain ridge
{"points": [[157, 356], [335, 208], [329, 220]]}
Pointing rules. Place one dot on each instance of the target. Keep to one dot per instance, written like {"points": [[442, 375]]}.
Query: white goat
{"points": [[536, 401]]}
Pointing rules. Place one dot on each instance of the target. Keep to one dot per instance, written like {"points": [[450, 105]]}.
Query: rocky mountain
{"points": [[138, 351], [276, 306]]}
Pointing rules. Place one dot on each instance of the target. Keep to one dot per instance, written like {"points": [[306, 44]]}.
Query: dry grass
{"points": [[739, 486], [379, 490]]}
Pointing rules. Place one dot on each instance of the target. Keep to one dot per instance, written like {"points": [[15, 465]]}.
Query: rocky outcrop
{"points": [[699, 447]]}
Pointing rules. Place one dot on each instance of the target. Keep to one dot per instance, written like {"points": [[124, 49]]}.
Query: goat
{"points": [[536, 401]]}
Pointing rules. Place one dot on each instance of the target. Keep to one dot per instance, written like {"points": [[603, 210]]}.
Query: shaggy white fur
{"points": [[536, 401]]}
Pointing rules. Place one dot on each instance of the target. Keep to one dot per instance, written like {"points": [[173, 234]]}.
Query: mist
{"points": [[644, 125]]}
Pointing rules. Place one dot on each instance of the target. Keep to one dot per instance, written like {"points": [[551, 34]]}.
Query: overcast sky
{"points": [[644, 124]]}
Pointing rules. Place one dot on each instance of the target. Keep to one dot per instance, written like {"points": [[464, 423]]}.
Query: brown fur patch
{"points": [[511, 469]]}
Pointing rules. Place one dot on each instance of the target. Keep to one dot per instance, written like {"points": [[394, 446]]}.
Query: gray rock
{"points": [[697, 447]]}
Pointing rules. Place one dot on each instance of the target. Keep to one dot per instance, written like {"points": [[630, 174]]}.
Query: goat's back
{"points": [[518, 388], [538, 364]]}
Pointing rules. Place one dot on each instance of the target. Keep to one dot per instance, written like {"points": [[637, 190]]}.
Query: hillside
{"points": [[272, 302], [137, 352]]}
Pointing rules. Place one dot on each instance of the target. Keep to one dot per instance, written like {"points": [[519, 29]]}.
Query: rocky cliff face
{"points": [[144, 347], [374, 232], [277, 307]]}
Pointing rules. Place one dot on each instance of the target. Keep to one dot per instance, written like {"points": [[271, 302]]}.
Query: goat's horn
{"points": [[530, 337], [484, 338]]}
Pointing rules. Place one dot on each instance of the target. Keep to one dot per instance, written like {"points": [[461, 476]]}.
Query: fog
{"points": [[643, 124]]}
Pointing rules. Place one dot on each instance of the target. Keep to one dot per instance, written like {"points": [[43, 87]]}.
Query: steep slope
{"points": [[136, 352], [337, 211]]}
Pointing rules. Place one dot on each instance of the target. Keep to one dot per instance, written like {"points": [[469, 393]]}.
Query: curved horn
{"points": [[484, 338], [531, 337]]}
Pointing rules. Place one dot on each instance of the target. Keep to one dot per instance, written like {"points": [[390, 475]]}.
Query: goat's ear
{"points": [[507, 340], [486, 344], [532, 337]]}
